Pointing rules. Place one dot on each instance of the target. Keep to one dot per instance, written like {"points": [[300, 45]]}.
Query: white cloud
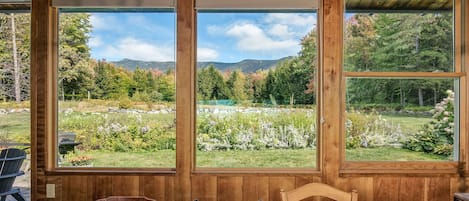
{"points": [[293, 19], [95, 41], [132, 48], [280, 30], [100, 22], [252, 38], [213, 29], [206, 54]]}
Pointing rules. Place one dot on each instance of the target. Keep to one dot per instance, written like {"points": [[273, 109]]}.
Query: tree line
{"points": [[410, 42], [289, 82], [389, 42]]}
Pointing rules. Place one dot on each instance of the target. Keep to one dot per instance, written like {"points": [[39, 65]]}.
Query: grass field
{"points": [[16, 127], [408, 123], [276, 158]]}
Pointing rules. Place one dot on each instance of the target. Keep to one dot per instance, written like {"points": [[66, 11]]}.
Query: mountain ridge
{"points": [[246, 65]]}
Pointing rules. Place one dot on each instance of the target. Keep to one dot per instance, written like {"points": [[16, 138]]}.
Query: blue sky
{"points": [[224, 37]]}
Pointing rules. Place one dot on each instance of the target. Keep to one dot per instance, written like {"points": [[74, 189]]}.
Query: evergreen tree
{"points": [[14, 56], [74, 52], [236, 84], [211, 85]]}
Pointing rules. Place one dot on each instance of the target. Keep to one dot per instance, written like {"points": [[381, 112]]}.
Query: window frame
{"points": [[248, 6], [330, 66], [52, 165], [421, 168]]}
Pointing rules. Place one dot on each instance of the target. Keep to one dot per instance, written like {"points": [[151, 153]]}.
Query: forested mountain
{"points": [[246, 66]]}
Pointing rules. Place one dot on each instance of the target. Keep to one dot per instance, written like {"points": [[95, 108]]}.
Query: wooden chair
{"points": [[10, 163], [126, 198], [318, 190]]}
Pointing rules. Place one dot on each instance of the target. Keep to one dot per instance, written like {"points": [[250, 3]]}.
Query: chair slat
{"points": [[10, 164]]}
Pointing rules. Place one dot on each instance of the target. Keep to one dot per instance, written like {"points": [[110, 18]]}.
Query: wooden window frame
{"points": [[244, 6], [417, 168], [52, 166], [330, 137]]}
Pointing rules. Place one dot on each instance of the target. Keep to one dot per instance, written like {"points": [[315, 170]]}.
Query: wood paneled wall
{"points": [[185, 185], [249, 188]]}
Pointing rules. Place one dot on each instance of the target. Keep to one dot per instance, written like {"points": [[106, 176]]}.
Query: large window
{"points": [[401, 86], [256, 89], [15, 116], [116, 88]]}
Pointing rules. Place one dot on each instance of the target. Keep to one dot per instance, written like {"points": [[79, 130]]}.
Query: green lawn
{"points": [[390, 154], [408, 124], [15, 126], [279, 158]]}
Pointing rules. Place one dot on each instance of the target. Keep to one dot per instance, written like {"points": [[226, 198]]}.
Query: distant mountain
{"points": [[247, 66]]}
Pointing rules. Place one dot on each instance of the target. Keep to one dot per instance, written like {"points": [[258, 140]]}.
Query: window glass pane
{"points": [[416, 41], [15, 116], [256, 90], [401, 119], [116, 89]]}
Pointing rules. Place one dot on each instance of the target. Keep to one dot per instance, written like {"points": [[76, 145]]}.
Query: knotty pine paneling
{"points": [[103, 186], [204, 188], [157, 187], [153, 186], [230, 188], [438, 188], [255, 188], [417, 185], [386, 188], [250, 188], [125, 185], [78, 188]]}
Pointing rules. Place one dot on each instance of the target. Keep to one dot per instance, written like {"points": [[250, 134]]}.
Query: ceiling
{"points": [[398, 5], [14, 6]]}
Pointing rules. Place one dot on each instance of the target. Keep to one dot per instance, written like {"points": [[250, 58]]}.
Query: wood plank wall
{"points": [[186, 185]]}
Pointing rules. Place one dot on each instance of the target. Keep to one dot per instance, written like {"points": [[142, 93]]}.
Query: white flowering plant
{"points": [[371, 130], [437, 136], [256, 130]]}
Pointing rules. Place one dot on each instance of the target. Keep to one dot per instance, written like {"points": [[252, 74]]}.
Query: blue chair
{"points": [[10, 163]]}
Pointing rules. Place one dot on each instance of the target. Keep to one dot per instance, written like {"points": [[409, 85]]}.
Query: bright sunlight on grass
{"points": [[273, 158]]}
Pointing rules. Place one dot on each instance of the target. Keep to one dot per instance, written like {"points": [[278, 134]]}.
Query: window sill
{"points": [[111, 171], [257, 171]]}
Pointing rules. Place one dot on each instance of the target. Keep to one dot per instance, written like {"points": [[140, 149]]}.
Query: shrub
{"points": [[125, 103], [262, 129], [371, 130], [438, 136], [121, 132]]}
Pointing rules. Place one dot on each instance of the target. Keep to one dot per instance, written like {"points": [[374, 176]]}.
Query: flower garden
{"points": [[230, 136]]}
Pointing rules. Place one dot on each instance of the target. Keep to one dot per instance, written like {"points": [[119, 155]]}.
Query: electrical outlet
{"points": [[50, 190]]}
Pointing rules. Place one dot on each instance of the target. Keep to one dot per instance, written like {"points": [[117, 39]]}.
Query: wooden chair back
{"points": [[10, 163], [318, 190]]}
